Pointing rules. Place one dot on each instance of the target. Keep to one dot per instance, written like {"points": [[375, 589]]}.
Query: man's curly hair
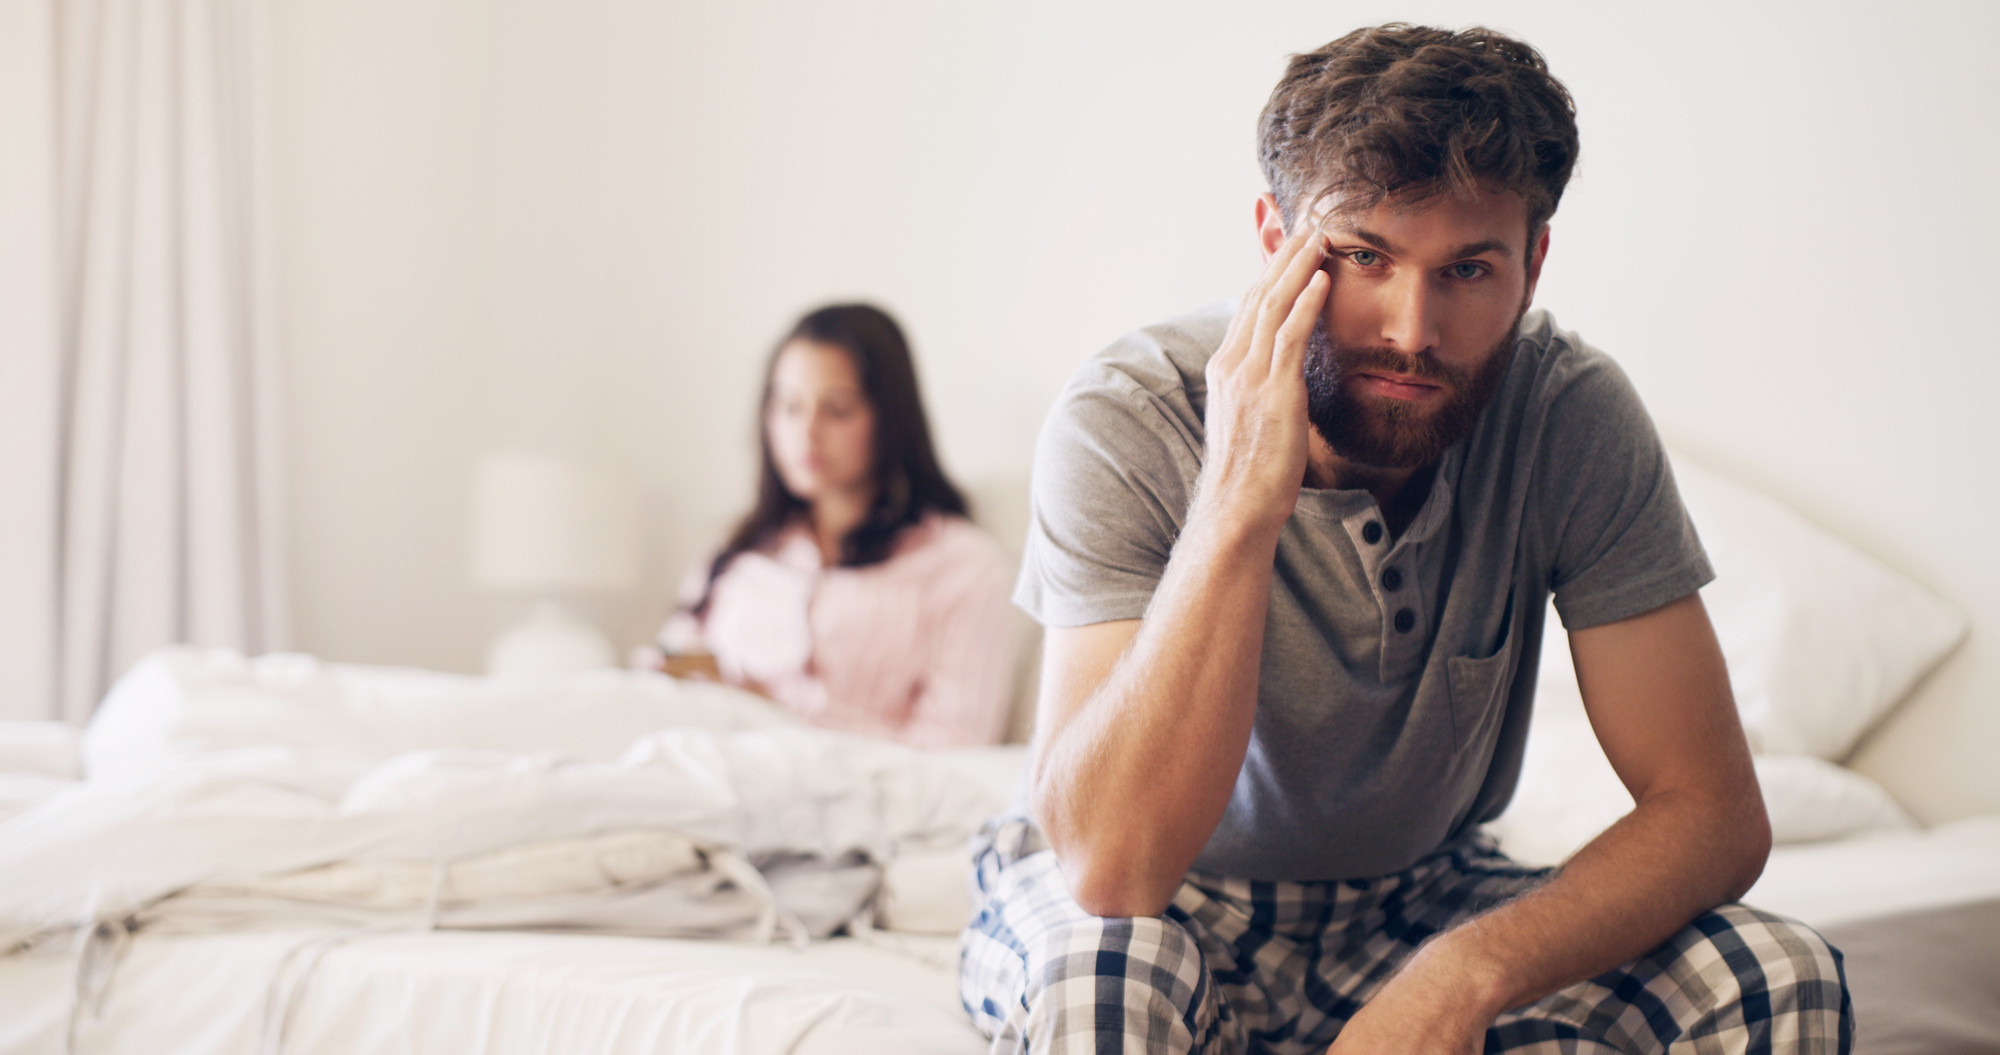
{"points": [[1412, 113]]}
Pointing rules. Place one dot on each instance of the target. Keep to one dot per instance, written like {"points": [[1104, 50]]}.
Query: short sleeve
{"points": [[1114, 471], [1620, 541]]}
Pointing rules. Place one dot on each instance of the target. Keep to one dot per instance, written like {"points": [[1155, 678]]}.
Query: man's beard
{"points": [[1392, 433]]}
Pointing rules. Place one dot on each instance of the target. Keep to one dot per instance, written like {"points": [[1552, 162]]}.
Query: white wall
{"points": [[578, 226]]}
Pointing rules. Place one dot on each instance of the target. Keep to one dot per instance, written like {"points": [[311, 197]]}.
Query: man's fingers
{"points": [[1301, 256], [1262, 338], [1249, 321], [1288, 352], [1281, 296]]}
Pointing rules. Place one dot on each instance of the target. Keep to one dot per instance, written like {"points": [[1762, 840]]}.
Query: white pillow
{"points": [[1812, 800], [1568, 793], [1822, 640], [47, 749]]}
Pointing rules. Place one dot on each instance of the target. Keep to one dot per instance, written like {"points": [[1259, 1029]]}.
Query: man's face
{"points": [[1420, 325]]}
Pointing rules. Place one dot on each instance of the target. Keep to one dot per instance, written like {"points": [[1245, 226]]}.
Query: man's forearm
{"points": [[1673, 857], [1657, 691], [1130, 783]]}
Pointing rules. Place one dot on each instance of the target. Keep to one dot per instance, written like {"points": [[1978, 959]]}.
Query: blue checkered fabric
{"points": [[1240, 966]]}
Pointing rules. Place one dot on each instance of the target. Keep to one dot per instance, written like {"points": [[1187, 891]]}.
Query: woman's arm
{"points": [[681, 647], [969, 677], [697, 665]]}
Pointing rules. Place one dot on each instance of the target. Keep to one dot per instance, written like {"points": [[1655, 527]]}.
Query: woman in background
{"points": [[856, 592]]}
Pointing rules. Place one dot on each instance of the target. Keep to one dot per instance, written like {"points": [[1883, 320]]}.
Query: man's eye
{"points": [[1365, 257], [1467, 271]]}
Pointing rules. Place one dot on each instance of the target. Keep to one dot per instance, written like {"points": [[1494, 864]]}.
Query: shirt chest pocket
{"points": [[1479, 684]]}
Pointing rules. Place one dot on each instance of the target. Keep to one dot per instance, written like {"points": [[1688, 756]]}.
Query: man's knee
{"points": [[1774, 979], [1035, 965], [1136, 977], [1769, 951], [1082, 978], [1736, 979], [1149, 950]]}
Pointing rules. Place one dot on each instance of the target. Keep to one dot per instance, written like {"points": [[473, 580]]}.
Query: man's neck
{"points": [[1399, 492]]}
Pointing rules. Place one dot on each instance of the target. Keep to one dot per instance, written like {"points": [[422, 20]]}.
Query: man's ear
{"points": [[1270, 225], [1535, 257]]}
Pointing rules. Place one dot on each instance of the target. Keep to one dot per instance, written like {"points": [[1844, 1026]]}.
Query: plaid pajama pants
{"points": [[1240, 966]]}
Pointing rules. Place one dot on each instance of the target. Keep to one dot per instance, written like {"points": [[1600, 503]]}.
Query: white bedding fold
{"points": [[346, 811]]}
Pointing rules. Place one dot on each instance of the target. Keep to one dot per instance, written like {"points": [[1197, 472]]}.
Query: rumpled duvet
{"points": [[222, 792]]}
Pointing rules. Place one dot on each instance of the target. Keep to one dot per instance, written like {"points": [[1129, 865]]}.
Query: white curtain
{"points": [[139, 480]]}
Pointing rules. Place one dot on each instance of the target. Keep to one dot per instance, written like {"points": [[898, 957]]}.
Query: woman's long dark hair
{"points": [[908, 481]]}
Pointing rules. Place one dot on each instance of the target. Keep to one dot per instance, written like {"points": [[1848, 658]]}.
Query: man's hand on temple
{"points": [[1255, 448]]}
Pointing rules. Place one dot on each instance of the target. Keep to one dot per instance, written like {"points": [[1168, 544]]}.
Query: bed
{"points": [[276, 854]]}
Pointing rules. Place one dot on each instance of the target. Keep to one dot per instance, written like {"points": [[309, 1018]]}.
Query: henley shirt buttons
{"points": [[1405, 620], [1392, 580], [1371, 532]]}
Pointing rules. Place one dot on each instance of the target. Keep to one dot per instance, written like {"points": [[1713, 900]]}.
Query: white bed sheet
{"points": [[1882, 873], [477, 993]]}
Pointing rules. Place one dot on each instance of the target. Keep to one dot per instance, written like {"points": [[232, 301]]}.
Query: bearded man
{"points": [[1293, 560]]}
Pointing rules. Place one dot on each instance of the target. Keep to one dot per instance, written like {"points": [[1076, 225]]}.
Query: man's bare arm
{"points": [[1658, 697], [1143, 724]]}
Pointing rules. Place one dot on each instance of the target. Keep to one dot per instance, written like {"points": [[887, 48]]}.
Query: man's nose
{"points": [[1409, 315]]}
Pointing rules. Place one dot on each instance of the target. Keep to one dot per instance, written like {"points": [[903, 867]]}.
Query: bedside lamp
{"points": [[549, 528]]}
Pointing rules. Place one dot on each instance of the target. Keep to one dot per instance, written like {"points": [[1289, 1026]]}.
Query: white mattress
{"points": [[474, 993]]}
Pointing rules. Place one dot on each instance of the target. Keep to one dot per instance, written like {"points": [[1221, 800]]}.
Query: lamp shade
{"points": [[547, 525]]}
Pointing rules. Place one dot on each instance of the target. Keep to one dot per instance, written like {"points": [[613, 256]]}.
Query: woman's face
{"points": [[819, 424]]}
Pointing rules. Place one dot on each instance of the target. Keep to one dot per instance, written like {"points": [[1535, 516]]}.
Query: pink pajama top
{"points": [[918, 648]]}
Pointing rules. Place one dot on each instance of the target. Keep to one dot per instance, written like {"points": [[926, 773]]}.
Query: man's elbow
{"points": [[1112, 889], [1750, 846], [1111, 870]]}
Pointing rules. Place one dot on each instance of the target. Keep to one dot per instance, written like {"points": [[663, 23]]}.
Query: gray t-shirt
{"points": [[1393, 696]]}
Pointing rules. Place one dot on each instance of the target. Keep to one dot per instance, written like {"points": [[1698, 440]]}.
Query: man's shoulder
{"points": [[1554, 356], [1565, 412], [1557, 372]]}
